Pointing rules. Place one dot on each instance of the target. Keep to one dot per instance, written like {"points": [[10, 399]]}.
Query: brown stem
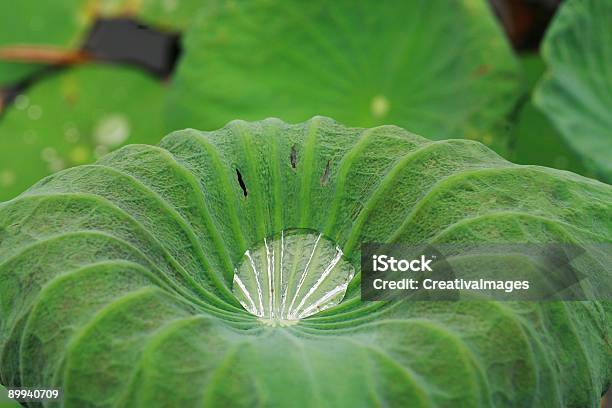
{"points": [[42, 55]]}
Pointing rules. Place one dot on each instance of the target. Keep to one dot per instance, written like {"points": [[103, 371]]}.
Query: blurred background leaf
{"points": [[72, 116], [441, 69], [438, 68], [536, 139], [58, 23], [63, 23], [576, 92]]}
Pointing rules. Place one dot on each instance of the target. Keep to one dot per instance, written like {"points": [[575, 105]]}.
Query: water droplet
{"points": [[34, 112], [112, 130], [292, 276], [380, 106], [72, 134], [79, 155], [22, 102], [7, 178], [48, 154]]}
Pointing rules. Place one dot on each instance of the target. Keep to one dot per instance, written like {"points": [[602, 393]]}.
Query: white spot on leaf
{"points": [[7, 178], [379, 106], [112, 130], [35, 112], [22, 102], [48, 154], [71, 133]]}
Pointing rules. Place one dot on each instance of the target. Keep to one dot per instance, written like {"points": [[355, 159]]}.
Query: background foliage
{"points": [[411, 73], [576, 92], [441, 69]]}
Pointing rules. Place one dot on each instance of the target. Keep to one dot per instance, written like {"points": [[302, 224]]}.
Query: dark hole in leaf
{"points": [[118, 40], [325, 175], [293, 157], [241, 182], [123, 40]]}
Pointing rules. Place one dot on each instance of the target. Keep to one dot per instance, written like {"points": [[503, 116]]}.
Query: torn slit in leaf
{"points": [[241, 182]]}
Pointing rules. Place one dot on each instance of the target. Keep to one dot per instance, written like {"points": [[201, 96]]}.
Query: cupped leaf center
{"points": [[291, 276]]}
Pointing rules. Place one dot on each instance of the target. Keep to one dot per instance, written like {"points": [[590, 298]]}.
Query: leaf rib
{"points": [[182, 222]]}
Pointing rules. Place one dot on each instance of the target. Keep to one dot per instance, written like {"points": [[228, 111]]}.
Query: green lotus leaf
{"points": [[442, 69], [72, 119], [37, 23], [76, 115], [576, 92], [536, 140], [64, 23], [148, 279]]}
